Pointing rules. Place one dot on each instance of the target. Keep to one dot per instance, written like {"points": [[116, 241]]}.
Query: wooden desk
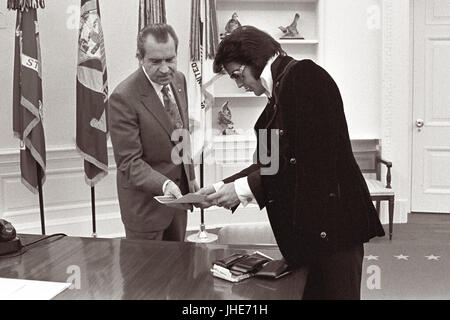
{"points": [[130, 269]]}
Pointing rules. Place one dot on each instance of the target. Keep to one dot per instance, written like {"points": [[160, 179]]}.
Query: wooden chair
{"points": [[368, 155]]}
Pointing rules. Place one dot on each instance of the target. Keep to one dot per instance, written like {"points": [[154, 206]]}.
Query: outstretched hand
{"points": [[226, 197], [173, 190], [205, 191]]}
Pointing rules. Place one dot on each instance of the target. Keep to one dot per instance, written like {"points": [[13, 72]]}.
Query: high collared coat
{"points": [[318, 199]]}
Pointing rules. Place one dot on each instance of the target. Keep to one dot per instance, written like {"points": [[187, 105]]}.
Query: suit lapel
{"points": [[152, 103]]}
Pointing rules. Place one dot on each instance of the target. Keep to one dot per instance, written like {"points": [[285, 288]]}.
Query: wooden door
{"points": [[431, 107]]}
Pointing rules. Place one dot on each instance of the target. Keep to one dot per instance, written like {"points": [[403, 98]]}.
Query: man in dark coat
{"points": [[317, 200]]}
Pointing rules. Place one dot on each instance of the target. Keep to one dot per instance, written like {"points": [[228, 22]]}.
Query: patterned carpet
{"points": [[404, 271], [414, 265]]}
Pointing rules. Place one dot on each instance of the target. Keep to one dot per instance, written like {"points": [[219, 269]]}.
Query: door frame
{"points": [[397, 98]]}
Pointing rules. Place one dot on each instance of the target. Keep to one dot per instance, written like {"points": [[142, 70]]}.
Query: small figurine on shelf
{"points": [[291, 31], [231, 25], [225, 120]]}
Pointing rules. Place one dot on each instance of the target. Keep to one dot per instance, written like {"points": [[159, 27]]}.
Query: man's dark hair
{"points": [[160, 31], [249, 46]]}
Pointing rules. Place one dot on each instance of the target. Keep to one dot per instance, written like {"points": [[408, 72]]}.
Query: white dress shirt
{"points": [[158, 89], [241, 186]]}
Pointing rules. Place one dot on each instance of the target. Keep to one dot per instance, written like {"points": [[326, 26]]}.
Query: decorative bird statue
{"points": [[225, 120], [291, 30], [232, 24]]}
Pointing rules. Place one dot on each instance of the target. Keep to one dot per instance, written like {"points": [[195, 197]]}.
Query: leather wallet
{"points": [[274, 269], [249, 264], [231, 260]]}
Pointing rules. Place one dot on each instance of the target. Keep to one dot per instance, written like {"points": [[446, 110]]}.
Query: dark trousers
{"points": [[335, 276], [176, 231]]}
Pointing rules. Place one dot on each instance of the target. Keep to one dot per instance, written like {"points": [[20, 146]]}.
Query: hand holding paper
{"points": [[172, 189], [205, 191], [172, 192], [184, 202], [226, 197]]}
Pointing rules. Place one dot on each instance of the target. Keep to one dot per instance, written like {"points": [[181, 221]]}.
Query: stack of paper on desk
{"points": [[16, 289], [224, 273], [238, 267]]}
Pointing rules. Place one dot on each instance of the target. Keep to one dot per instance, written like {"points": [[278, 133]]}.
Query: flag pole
{"points": [[94, 227], [92, 104], [41, 200], [202, 235], [202, 211], [202, 184]]}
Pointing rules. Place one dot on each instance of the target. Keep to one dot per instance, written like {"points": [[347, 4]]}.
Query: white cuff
{"points": [[164, 185], [218, 185], [243, 191]]}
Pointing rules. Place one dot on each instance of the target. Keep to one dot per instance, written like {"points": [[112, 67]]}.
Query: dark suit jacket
{"points": [[141, 136], [318, 200]]}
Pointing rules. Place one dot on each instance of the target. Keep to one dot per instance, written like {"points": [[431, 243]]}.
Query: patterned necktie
{"points": [[172, 108]]}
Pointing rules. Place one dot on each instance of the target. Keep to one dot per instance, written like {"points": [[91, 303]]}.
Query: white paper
{"points": [[189, 198], [17, 289]]}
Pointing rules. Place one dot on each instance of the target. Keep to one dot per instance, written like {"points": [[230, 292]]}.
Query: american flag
{"points": [[27, 99]]}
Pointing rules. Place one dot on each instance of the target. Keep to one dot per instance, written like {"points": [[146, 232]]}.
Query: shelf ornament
{"points": [[224, 119], [231, 25], [291, 31]]}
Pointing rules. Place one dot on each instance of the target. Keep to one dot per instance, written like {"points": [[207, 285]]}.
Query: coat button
{"points": [[275, 107], [271, 201], [323, 235], [332, 195], [293, 161], [281, 132]]}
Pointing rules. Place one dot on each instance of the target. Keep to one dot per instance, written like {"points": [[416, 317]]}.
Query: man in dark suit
{"points": [[317, 200], [148, 114]]}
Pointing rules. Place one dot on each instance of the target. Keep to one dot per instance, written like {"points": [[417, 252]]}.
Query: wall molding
{"points": [[67, 202], [73, 216], [70, 212]]}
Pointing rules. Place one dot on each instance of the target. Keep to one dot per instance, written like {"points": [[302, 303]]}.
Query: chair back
{"points": [[366, 152]]}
